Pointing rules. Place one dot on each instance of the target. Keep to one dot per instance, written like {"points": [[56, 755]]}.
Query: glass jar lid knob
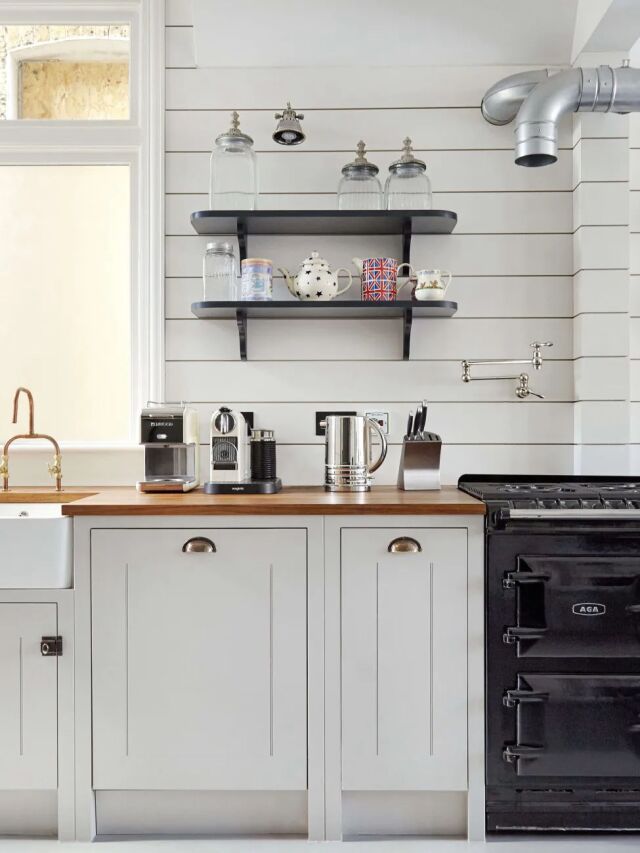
{"points": [[360, 164], [408, 158], [234, 134]]}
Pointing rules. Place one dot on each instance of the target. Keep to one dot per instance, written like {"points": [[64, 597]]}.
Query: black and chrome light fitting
{"points": [[289, 130]]}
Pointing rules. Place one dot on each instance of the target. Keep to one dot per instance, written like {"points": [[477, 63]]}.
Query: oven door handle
{"points": [[512, 579], [510, 754], [516, 633], [513, 697], [634, 729], [633, 609]]}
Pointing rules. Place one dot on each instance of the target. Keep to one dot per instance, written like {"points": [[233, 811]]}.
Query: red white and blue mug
{"points": [[379, 277]]}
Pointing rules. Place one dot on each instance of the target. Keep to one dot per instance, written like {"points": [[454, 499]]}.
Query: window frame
{"points": [[137, 142]]}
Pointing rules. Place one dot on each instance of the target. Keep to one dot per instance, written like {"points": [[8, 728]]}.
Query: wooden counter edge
{"points": [[301, 501]]}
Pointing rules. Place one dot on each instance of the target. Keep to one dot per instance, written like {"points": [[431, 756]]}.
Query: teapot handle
{"points": [[344, 289], [446, 274]]}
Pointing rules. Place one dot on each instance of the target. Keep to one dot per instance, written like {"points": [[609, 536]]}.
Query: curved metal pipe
{"points": [[540, 102], [537, 122], [502, 101]]}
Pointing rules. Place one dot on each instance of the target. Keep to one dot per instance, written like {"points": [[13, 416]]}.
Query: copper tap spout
{"points": [[55, 469]]}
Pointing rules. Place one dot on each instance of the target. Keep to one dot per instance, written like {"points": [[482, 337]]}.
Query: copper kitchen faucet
{"points": [[55, 469]]}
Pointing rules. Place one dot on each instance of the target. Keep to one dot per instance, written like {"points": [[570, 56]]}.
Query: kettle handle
{"points": [[383, 450]]}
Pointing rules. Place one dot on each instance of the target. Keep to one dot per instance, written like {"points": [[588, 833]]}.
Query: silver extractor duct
{"points": [[538, 102]]}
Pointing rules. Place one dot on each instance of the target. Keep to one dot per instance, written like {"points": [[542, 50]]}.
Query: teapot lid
{"points": [[360, 165], [234, 134], [408, 159], [315, 259]]}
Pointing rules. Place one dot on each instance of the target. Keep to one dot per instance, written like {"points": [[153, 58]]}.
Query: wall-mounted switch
{"points": [[381, 418]]}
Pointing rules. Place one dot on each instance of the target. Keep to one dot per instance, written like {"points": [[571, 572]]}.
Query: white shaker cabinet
{"points": [[28, 698], [199, 659], [404, 659]]}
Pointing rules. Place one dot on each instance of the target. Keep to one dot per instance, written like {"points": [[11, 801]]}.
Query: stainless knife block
{"points": [[420, 463]]}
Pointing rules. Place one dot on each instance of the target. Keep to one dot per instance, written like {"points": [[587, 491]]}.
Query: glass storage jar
{"points": [[408, 186], [359, 187], [219, 273], [233, 173]]}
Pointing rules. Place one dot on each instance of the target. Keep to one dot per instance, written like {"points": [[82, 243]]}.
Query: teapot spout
{"points": [[289, 280], [359, 264]]}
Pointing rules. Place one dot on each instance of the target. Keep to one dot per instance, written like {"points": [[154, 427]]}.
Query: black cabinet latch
{"points": [[51, 646]]}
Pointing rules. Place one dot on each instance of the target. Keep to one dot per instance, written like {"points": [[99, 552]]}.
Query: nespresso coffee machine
{"points": [[170, 436]]}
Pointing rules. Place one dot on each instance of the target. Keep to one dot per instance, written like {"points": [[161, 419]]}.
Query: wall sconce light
{"points": [[288, 130]]}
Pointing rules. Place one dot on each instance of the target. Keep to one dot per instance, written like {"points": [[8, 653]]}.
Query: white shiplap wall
{"points": [[601, 287], [511, 255]]}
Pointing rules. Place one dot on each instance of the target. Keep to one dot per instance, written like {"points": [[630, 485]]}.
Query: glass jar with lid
{"points": [[233, 181], [219, 275], [359, 187], [408, 186]]}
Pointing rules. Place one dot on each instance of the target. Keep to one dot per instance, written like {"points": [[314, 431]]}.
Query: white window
{"points": [[80, 214]]}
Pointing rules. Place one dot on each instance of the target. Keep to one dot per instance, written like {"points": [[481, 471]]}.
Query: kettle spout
{"points": [[358, 263], [289, 280]]}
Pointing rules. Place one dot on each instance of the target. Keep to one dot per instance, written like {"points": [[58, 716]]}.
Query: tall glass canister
{"points": [[408, 187], [233, 182], [359, 187]]}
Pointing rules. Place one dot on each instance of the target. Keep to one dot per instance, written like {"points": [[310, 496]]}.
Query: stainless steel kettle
{"points": [[348, 452]]}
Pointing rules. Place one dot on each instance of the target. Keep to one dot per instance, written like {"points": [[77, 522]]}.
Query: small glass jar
{"points": [[233, 172], [408, 186], [359, 187], [219, 275]]}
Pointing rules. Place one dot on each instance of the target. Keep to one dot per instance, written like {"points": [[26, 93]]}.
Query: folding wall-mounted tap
{"points": [[522, 389]]}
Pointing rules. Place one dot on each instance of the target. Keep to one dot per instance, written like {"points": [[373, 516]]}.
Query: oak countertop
{"points": [[308, 500]]}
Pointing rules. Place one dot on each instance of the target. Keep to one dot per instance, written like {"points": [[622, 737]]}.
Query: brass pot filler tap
{"points": [[55, 468]]}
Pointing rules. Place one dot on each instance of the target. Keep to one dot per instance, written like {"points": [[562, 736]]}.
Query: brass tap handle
{"points": [[55, 467]]}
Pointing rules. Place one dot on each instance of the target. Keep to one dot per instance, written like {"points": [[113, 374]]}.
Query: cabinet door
{"points": [[404, 653], [199, 659], [28, 698]]}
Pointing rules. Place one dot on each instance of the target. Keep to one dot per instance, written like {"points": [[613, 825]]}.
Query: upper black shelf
{"points": [[404, 223]]}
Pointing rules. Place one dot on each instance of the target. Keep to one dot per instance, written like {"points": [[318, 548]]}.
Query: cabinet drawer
{"points": [[199, 659], [404, 652]]}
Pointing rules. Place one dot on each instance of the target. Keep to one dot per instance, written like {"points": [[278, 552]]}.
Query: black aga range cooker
{"points": [[562, 652]]}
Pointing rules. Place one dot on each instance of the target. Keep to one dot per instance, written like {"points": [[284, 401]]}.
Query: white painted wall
{"points": [[511, 255]]}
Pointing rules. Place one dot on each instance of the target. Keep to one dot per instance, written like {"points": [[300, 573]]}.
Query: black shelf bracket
{"points": [[407, 320], [407, 230], [241, 320], [241, 230]]}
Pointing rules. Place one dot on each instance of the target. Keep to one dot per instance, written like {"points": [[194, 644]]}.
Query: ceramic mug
{"points": [[257, 279], [431, 284], [380, 279]]}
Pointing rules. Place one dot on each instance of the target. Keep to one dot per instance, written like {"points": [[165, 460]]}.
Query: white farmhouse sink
{"points": [[35, 547]]}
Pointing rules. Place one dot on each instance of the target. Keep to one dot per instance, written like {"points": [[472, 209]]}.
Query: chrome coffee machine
{"points": [[170, 436]]}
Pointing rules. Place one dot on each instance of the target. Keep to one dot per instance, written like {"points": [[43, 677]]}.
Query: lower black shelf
{"points": [[341, 309]]}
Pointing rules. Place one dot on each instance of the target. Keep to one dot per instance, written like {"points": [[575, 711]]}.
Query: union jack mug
{"points": [[379, 278]]}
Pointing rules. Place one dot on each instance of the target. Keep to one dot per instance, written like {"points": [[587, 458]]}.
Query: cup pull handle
{"points": [[199, 545], [404, 545]]}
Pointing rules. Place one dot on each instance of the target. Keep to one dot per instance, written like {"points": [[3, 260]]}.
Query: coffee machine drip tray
{"points": [[167, 484], [245, 487]]}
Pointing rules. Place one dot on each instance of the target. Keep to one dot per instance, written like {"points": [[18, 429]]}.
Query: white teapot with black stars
{"points": [[315, 281]]}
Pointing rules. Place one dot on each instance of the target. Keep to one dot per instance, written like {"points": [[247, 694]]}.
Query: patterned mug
{"points": [[379, 278]]}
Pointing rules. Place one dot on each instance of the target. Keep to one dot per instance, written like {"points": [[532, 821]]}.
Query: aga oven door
{"points": [[574, 606], [575, 725]]}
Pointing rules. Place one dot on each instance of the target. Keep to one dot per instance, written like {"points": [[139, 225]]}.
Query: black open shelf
{"points": [[336, 309], [404, 223]]}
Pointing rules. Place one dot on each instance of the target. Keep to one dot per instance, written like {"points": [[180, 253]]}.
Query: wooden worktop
{"points": [[309, 500]]}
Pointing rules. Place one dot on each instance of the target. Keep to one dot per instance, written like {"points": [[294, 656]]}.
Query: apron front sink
{"points": [[35, 547]]}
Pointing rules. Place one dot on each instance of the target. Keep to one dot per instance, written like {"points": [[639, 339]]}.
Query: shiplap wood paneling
{"points": [[292, 171], [511, 256], [478, 212]]}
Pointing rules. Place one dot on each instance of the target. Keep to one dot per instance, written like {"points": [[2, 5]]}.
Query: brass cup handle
{"points": [[404, 545], [199, 545]]}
